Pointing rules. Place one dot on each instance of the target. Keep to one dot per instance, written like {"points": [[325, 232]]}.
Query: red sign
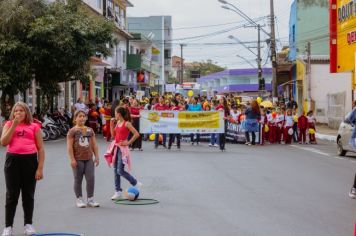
{"points": [[140, 77]]}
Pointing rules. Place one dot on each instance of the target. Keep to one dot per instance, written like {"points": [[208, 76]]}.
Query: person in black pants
{"points": [[223, 106], [23, 165]]}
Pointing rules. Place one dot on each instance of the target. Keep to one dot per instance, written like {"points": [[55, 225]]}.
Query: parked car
{"points": [[343, 138]]}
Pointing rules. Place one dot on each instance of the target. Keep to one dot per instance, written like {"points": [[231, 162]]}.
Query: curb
{"points": [[325, 137]]}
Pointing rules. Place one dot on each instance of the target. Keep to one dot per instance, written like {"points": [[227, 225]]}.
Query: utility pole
{"points": [[273, 53], [181, 63], [308, 49], [259, 60]]}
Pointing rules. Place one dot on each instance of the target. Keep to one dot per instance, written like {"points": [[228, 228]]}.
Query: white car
{"points": [[343, 138]]}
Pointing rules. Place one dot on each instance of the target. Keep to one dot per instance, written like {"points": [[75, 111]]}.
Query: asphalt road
{"points": [[274, 190]]}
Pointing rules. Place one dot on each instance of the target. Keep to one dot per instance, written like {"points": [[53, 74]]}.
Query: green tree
{"points": [[15, 51], [49, 42], [204, 67], [63, 41]]}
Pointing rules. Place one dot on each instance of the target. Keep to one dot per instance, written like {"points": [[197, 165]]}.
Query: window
{"points": [[131, 50], [167, 53], [98, 4], [111, 4], [293, 34], [124, 56]]}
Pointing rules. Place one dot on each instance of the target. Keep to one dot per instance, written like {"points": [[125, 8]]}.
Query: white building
{"points": [[159, 30]]}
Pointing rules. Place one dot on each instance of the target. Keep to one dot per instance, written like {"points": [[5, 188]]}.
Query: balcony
{"points": [[138, 62], [155, 69]]}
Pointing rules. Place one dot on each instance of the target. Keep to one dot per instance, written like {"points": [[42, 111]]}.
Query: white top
{"points": [[289, 121], [81, 107]]}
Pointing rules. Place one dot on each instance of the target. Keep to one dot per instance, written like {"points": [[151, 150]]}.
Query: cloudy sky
{"points": [[206, 17]]}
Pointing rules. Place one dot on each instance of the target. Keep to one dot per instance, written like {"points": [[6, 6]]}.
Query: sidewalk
{"points": [[323, 132]]}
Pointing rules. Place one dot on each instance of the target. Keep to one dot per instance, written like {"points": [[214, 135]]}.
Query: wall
{"points": [[94, 4], [324, 86], [313, 26], [152, 27]]}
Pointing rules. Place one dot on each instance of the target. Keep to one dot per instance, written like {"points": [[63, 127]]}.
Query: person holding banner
{"points": [[223, 106], [194, 106], [160, 106], [175, 107], [251, 123]]}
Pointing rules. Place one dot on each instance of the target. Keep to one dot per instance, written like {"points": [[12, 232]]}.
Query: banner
{"points": [[182, 122]]}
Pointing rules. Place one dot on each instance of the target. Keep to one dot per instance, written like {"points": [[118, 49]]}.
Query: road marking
{"points": [[313, 150]]}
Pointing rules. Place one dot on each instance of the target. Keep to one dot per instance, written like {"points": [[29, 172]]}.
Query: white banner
{"points": [[182, 122]]}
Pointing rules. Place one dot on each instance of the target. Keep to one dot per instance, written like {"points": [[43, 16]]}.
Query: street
{"points": [[272, 190]]}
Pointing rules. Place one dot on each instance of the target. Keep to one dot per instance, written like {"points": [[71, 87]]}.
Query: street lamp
{"points": [[242, 43], [253, 66], [272, 36], [235, 9]]}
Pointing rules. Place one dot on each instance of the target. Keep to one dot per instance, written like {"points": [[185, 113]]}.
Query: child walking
{"points": [[311, 127], [302, 125], [288, 126], [81, 146], [121, 133]]}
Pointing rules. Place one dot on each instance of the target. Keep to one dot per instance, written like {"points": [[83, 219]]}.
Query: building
{"points": [[109, 77], [242, 82], [313, 86], [142, 64], [159, 30]]}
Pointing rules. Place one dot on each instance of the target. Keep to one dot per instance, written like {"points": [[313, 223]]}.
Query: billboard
{"points": [[342, 35]]}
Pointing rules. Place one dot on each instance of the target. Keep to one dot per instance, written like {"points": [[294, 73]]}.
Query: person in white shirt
{"points": [[288, 127], [80, 106]]}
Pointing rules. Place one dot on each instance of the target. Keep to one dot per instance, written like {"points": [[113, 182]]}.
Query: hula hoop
{"points": [[55, 234], [140, 201]]}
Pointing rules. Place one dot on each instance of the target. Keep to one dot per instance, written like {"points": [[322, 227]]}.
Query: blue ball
{"points": [[132, 193]]}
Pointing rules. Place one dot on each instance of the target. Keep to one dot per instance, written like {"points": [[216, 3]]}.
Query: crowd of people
{"points": [[278, 123], [119, 122]]}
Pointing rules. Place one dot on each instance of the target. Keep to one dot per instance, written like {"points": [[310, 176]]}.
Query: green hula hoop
{"points": [[140, 201]]}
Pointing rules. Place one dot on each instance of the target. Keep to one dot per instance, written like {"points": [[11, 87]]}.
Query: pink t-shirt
{"points": [[23, 140]]}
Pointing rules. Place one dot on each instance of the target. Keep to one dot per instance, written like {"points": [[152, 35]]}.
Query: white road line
{"points": [[313, 150]]}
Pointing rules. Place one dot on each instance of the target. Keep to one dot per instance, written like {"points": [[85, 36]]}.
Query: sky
{"points": [[206, 17]]}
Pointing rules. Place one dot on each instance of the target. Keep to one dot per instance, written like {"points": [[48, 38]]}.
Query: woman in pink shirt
{"points": [[23, 166]]}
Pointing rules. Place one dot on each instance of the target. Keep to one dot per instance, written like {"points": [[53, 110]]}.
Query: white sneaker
{"points": [[138, 185], [215, 145], [80, 203], [92, 203], [210, 145], [352, 193], [29, 230], [116, 196], [7, 231]]}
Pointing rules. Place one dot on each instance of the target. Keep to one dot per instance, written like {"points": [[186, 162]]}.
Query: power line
{"points": [[196, 27]]}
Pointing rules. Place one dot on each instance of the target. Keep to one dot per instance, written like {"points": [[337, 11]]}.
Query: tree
{"points": [[15, 51], [204, 67], [49, 42], [63, 41]]}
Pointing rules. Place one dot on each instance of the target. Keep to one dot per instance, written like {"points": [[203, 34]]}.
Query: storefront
{"points": [[343, 37]]}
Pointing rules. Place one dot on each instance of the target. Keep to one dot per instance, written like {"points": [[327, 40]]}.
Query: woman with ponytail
{"points": [[121, 132]]}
